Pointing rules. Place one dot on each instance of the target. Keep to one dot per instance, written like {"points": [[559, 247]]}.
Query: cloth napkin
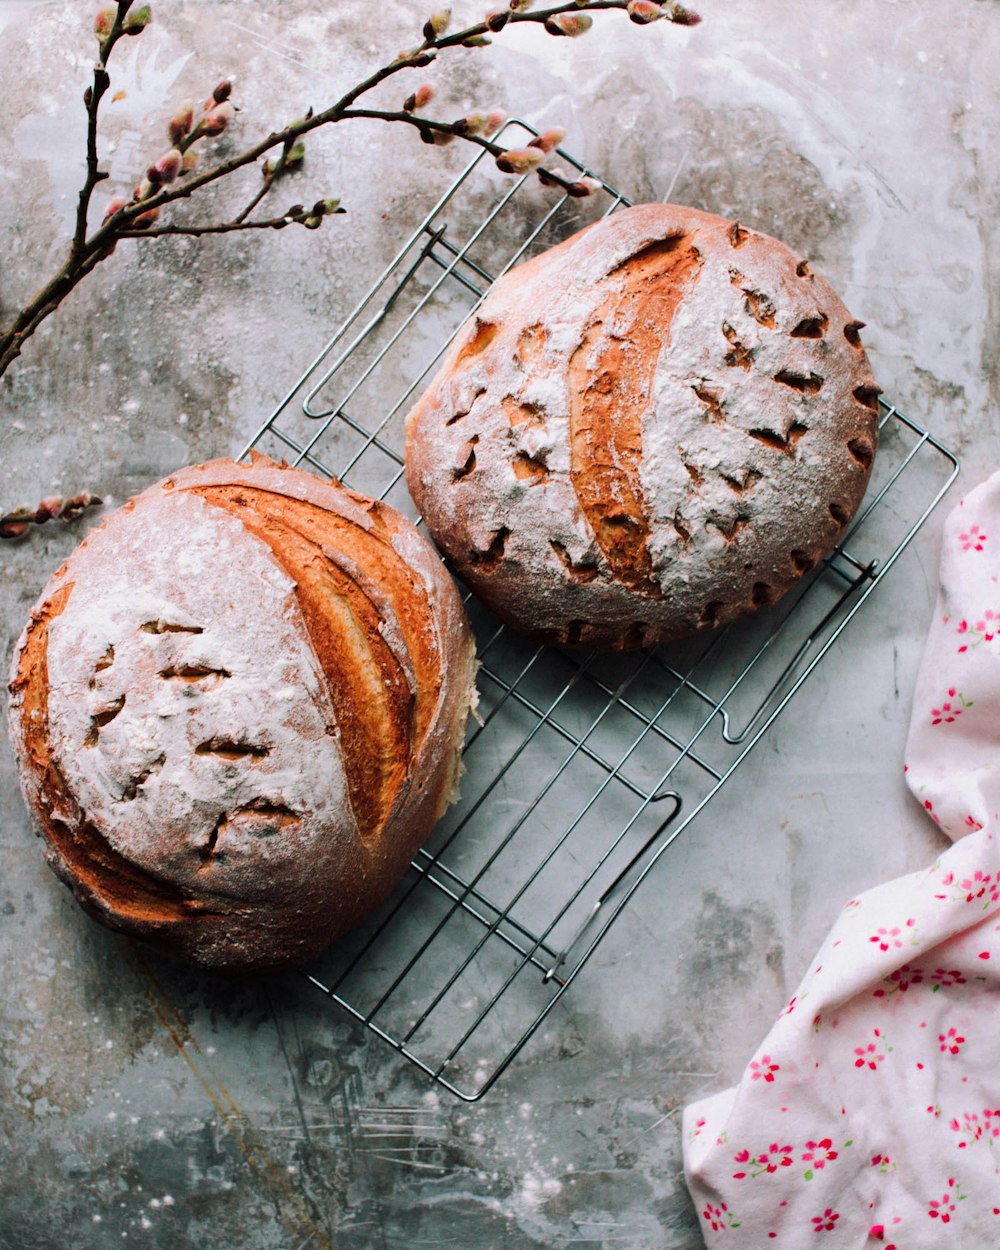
{"points": [[870, 1114]]}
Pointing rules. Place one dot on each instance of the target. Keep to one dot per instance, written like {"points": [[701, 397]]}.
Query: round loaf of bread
{"points": [[653, 428], [239, 708]]}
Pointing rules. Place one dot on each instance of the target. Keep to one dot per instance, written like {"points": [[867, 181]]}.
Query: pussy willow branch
{"points": [[87, 251]]}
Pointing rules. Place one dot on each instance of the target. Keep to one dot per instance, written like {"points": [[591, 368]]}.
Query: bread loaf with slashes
{"points": [[653, 428], [239, 709]]}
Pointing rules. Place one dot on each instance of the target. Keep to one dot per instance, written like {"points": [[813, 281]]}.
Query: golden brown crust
{"points": [[256, 713], [609, 384]]}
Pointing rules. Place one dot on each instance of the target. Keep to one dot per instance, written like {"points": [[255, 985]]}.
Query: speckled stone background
{"points": [[145, 1104]]}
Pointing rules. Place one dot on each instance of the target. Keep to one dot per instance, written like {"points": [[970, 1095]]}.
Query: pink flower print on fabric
{"points": [[974, 1129], [972, 539], [720, 1218], [878, 1232], [900, 981], [980, 886], [944, 978], [950, 1043], [927, 1103], [950, 710], [764, 1164], [764, 1069], [886, 938], [818, 1154], [870, 1056], [943, 1208], [826, 1222], [893, 937], [982, 630]]}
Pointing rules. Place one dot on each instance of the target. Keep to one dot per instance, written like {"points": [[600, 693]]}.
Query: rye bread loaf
{"points": [[239, 709], [653, 428]]}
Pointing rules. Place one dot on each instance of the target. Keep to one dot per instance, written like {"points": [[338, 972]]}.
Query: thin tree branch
{"points": [[92, 100], [221, 227], [86, 252]]}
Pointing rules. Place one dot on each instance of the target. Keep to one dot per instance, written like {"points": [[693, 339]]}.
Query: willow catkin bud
{"points": [[497, 19], [477, 41], [73, 507], [418, 99], [570, 24], [217, 119], [520, 160], [104, 20], [494, 121], [179, 126], [473, 124], [683, 17], [167, 167], [137, 20], [548, 139], [49, 508], [113, 207], [644, 11], [583, 187], [223, 91], [437, 24]]}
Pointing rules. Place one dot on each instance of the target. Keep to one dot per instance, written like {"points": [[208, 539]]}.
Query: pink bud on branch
{"points": [[137, 20], [104, 21], [217, 119], [166, 168], [548, 139], [520, 160], [179, 126], [16, 524], [418, 99], [437, 24], [114, 206], [571, 24], [644, 11], [683, 17], [584, 187]]}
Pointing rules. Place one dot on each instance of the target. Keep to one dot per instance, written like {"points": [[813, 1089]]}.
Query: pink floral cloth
{"points": [[870, 1114]]}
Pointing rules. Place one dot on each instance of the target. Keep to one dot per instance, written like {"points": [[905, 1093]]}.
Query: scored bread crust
{"points": [[652, 428], [239, 708]]}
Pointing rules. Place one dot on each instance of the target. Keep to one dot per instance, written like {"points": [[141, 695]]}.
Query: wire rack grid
{"points": [[582, 769]]}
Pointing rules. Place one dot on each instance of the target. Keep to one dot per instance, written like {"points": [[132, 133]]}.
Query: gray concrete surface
{"points": [[143, 1103]]}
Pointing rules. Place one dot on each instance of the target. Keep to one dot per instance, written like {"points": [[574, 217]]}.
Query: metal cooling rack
{"points": [[583, 768]]}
